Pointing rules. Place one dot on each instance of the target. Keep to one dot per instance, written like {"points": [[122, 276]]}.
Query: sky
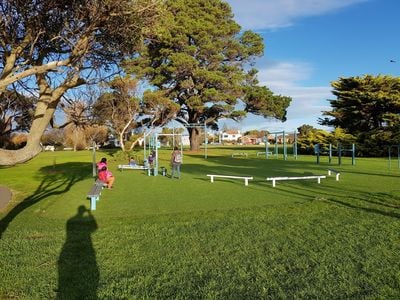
{"points": [[310, 43]]}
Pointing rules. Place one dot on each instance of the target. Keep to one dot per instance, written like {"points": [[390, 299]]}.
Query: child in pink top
{"points": [[107, 177], [102, 163]]}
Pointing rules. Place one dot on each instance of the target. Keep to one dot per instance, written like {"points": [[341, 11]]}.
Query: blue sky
{"points": [[310, 43]]}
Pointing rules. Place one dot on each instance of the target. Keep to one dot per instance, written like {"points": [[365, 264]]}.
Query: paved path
{"points": [[5, 196]]}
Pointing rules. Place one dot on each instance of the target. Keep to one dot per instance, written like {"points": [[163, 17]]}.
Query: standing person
{"points": [[102, 163], [176, 161], [151, 158], [107, 177]]}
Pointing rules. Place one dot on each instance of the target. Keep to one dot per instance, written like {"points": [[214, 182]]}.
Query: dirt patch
{"points": [[5, 196]]}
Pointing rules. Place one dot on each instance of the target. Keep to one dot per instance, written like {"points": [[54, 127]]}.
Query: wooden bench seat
{"points": [[245, 178], [274, 179], [95, 192]]}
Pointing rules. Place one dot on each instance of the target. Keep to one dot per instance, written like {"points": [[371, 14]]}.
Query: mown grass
{"points": [[156, 237]]}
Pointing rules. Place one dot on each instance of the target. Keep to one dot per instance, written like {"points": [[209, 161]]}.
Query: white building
{"points": [[230, 136]]}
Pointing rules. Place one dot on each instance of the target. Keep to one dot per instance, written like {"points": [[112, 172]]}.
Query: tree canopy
{"points": [[16, 112], [367, 107], [203, 60], [49, 47], [123, 110]]}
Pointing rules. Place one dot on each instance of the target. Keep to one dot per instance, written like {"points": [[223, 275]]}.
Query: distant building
{"points": [[230, 136]]}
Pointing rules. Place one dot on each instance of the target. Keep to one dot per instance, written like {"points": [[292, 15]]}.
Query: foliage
{"points": [[367, 107], [50, 47], [96, 134], [17, 140], [257, 133], [170, 140], [54, 137], [123, 111], [201, 58], [16, 112], [308, 137], [75, 137]]}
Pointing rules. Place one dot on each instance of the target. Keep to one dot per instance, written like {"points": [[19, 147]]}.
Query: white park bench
{"points": [[274, 179], [245, 178], [130, 167], [337, 173], [239, 154], [263, 153]]}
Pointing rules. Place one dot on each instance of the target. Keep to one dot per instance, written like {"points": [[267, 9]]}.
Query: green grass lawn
{"points": [[156, 237]]}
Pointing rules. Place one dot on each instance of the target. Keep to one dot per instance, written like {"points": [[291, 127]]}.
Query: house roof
{"points": [[232, 132]]}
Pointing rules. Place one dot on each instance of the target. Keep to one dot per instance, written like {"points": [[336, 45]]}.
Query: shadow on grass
{"points": [[366, 209], [54, 181], [78, 273], [384, 204]]}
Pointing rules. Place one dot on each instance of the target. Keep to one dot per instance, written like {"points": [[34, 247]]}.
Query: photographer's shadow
{"points": [[78, 273]]}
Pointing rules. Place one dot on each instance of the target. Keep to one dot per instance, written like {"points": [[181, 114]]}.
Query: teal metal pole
{"points": [[94, 159], [398, 156], [353, 154], [266, 146], [205, 140], [284, 146], [155, 167]]}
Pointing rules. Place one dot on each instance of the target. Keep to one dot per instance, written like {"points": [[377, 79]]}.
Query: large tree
{"points": [[364, 103], [367, 107], [203, 60], [123, 110], [52, 46]]}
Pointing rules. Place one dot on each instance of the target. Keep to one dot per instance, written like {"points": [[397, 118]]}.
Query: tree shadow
{"points": [[384, 204], [382, 212], [78, 273], [54, 181]]}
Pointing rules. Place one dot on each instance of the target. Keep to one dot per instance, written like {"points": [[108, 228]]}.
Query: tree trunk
{"points": [[194, 138], [43, 115], [121, 140]]}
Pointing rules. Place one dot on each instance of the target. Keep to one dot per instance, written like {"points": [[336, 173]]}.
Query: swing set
{"points": [[277, 136]]}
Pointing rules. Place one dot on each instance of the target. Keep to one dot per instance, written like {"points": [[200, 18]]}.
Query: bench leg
{"points": [[246, 181], [329, 172], [273, 183], [93, 203], [337, 177], [212, 178], [319, 180]]}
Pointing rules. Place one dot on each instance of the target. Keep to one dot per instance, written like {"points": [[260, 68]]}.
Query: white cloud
{"points": [[284, 78], [270, 14], [307, 101]]}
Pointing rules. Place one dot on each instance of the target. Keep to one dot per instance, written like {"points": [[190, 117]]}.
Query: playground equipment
{"points": [[340, 150], [390, 155], [275, 151], [151, 139]]}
